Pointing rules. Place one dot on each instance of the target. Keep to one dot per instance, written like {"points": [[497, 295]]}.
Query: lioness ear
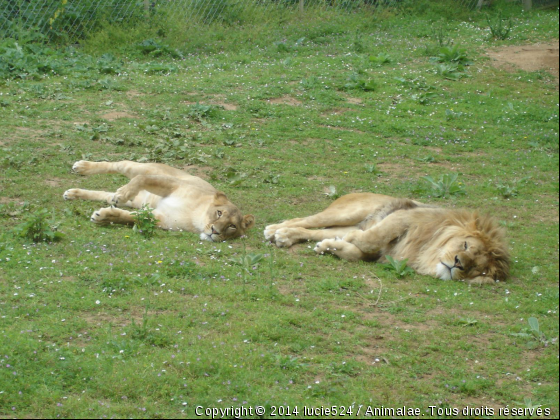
{"points": [[220, 198], [480, 280], [248, 221]]}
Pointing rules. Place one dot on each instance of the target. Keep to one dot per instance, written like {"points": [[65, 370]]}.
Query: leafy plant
{"points": [[400, 268], [380, 59], [332, 192], [371, 168], [145, 223], [441, 36], [154, 48], [534, 334], [453, 55], [38, 227], [508, 190], [446, 185], [200, 112], [499, 26], [450, 71], [423, 98], [358, 80]]}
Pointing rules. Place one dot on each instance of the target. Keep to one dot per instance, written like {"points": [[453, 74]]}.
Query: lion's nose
{"points": [[458, 262], [214, 231]]}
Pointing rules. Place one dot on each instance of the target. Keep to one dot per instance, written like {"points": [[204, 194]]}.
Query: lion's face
{"points": [[225, 222], [466, 258]]}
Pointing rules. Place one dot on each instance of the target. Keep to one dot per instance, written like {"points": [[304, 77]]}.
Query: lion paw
{"points": [[83, 167], [270, 232], [101, 216], [284, 238], [329, 245], [122, 196], [72, 194]]}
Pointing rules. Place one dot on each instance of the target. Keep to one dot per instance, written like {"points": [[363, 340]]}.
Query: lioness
{"points": [[446, 244], [179, 201]]}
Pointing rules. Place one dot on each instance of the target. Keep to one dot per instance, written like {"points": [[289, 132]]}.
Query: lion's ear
{"points": [[248, 221], [480, 280]]}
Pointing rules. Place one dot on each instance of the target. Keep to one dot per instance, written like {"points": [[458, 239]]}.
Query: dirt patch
{"points": [[115, 115], [527, 57], [53, 182], [285, 100]]}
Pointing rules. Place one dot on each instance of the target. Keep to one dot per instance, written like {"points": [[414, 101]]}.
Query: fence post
{"points": [[527, 4], [301, 5]]}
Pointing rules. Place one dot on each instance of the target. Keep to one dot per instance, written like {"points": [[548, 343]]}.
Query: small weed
{"points": [[452, 115], [450, 71], [145, 223], [37, 227], [508, 190], [469, 322], [332, 192], [371, 168], [200, 112], [534, 334], [155, 49], [380, 59], [453, 55], [360, 81], [499, 26], [400, 268], [447, 185], [424, 98], [272, 179], [441, 36]]}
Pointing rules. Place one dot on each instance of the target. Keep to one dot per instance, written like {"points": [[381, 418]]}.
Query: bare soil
{"points": [[527, 57]]}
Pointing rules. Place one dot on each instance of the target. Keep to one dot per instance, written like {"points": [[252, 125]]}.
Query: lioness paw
{"points": [[100, 216], [269, 232], [71, 194], [285, 237], [82, 167], [122, 196]]}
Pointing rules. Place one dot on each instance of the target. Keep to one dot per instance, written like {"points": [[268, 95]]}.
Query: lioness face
{"points": [[226, 223], [464, 258]]}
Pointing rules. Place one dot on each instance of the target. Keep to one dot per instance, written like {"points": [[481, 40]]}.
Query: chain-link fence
{"points": [[72, 19]]}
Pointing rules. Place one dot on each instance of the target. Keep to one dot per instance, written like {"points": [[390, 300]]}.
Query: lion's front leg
{"points": [[341, 249], [379, 237]]}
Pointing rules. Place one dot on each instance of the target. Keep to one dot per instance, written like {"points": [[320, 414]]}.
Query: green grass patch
{"points": [[284, 116]]}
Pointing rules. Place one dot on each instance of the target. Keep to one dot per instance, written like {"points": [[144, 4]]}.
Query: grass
{"points": [[108, 323]]}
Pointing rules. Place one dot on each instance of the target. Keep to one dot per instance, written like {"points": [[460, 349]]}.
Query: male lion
{"points": [[446, 244], [179, 200]]}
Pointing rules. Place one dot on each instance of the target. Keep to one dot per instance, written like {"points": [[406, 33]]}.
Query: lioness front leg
{"points": [[79, 194], [156, 184], [109, 215]]}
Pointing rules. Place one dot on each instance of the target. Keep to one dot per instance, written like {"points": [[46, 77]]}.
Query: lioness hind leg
{"points": [[126, 168], [158, 185]]}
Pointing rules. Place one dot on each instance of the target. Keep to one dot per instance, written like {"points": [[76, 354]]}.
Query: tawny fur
{"points": [[443, 243], [179, 201]]}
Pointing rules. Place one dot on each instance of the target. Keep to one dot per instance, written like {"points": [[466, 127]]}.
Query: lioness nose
{"points": [[214, 231]]}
